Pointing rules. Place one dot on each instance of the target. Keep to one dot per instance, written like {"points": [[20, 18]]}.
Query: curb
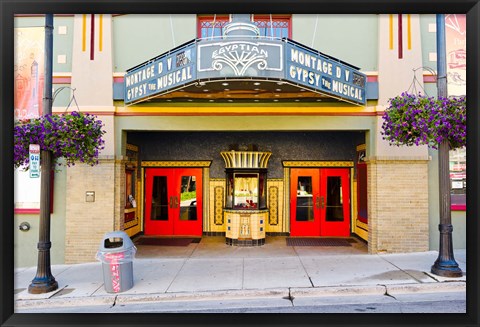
{"points": [[427, 287], [287, 293]]}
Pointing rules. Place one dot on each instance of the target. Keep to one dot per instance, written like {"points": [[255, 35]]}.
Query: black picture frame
{"points": [[11, 7]]}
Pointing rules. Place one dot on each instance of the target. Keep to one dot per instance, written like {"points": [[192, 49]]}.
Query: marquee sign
{"points": [[240, 58], [312, 69], [246, 58], [169, 71]]}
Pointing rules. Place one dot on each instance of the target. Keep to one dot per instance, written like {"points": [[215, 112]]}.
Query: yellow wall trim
{"points": [[190, 163], [318, 164], [345, 110]]}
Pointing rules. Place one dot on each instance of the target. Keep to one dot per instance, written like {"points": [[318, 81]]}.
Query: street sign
{"points": [[34, 154]]}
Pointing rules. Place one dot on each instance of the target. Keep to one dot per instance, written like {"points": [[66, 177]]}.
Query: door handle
{"points": [[317, 202], [322, 202], [176, 202], [173, 202]]}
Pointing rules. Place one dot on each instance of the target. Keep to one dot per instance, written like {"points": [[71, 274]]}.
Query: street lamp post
{"points": [[44, 282], [445, 265]]}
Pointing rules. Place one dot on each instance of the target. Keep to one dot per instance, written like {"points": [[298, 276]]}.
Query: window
{"points": [[458, 181], [276, 25]]}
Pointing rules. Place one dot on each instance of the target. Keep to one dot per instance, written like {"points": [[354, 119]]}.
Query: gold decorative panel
{"points": [[245, 226], [273, 204], [191, 163], [245, 159], [218, 205], [318, 164]]}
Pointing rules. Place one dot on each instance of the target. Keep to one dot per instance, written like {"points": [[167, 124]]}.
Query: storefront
{"points": [[242, 131], [315, 170]]}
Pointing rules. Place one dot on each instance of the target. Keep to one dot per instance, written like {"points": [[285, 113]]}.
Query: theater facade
{"points": [[243, 127]]}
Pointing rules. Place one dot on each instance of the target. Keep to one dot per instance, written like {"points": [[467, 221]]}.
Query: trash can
{"points": [[116, 252]]}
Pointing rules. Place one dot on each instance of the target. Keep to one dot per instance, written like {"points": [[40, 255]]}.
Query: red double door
{"points": [[320, 202], [173, 201]]}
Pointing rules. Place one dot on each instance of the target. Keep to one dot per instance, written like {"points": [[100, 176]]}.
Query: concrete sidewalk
{"points": [[212, 270]]}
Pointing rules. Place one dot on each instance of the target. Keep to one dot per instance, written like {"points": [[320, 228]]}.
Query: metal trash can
{"points": [[116, 252]]}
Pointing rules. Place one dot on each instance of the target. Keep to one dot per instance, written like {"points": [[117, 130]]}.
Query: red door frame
{"points": [[336, 228], [320, 226], [304, 228], [173, 226]]}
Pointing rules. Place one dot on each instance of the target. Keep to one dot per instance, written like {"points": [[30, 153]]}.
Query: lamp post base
{"points": [[446, 269], [42, 286], [445, 265]]}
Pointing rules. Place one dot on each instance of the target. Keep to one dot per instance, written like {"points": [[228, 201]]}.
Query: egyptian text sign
{"points": [[240, 58], [161, 74], [311, 69]]}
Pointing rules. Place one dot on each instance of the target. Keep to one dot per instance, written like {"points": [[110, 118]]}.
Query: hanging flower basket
{"points": [[421, 120], [75, 136]]}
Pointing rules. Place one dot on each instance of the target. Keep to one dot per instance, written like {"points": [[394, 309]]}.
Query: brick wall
{"points": [[398, 206], [87, 222]]}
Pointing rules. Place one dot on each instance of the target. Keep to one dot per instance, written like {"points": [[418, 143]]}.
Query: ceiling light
{"points": [[302, 90], [226, 89], [256, 83], [225, 84], [169, 100], [229, 95], [319, 100], [256, 89], [230, 100], [256, 100], [256, 95], [208, 95], [297, 100], [280, 83], [189, 100], [276, 100], [277, 95], [278, 90], [205, 90], [201, 83], [211, 100]]}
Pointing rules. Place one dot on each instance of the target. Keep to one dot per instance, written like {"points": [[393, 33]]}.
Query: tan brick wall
{"points": [[397, 206], [87, 222]]}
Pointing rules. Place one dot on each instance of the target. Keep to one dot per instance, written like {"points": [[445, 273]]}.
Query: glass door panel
{"points": [[304, 209], [334, 199], [159, 208], [188, 198]]}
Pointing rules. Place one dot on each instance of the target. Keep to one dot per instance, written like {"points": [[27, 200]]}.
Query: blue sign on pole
{"points": [[173, 69], [34, 160], [314, 70]]}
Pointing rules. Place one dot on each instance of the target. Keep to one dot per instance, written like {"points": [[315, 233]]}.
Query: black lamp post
{"points": [[445, 265], [44, 282]]}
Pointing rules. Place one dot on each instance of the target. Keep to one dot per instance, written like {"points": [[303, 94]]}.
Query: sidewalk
{"points": [[212, 270]]}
